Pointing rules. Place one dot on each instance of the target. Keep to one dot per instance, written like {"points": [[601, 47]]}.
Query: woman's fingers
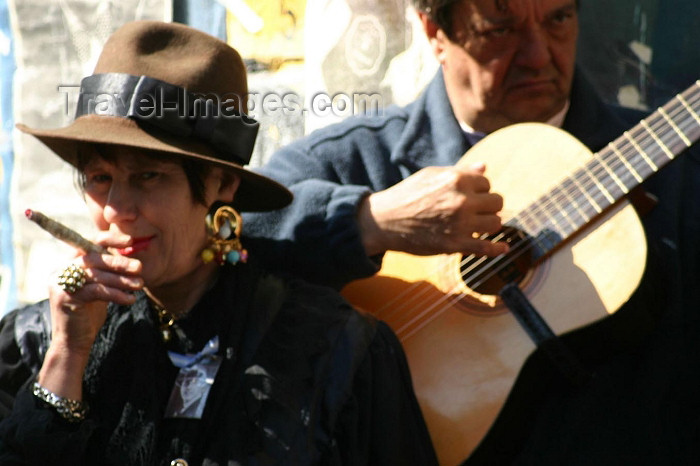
{"points": [[112, 240], [100, 277], [113, 263], [101, 292]]}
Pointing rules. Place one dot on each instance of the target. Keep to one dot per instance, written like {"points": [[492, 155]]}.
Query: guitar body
{"points": [[465, 349]]}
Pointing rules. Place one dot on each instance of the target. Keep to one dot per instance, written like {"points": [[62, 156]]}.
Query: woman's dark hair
{"points": [[195, 171]]}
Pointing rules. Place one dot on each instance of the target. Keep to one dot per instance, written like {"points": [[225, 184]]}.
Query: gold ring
{"points": [[72, 278]]}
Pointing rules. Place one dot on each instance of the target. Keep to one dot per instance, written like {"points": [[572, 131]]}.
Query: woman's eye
{"points": [[99, 179], [146, 176], [97, 183]]}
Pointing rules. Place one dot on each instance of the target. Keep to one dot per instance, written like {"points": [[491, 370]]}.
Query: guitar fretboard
{"points": [[614, 171]]}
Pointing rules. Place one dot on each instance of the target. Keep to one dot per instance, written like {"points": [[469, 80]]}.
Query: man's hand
{"points": [[436, 210]]}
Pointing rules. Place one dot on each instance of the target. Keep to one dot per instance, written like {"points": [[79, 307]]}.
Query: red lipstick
{"points": [[137, 245]]}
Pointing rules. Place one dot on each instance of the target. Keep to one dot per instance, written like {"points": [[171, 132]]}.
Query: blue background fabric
{"points": [[205, 15], [8, 295]]}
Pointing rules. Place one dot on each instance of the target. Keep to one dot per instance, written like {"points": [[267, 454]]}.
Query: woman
{"points": [[169, 348]]}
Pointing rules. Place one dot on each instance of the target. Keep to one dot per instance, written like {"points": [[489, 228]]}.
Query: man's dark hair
{"points": [[440, 11]]}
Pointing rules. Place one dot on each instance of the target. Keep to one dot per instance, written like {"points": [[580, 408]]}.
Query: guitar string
{"points": [[547, 207], [615, 167], [526, 244], [617, 162], [458, 297], [455, 298], [571, 191], [561, 215]]}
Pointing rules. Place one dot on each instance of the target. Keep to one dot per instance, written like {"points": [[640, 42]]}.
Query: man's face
{"points": [[508, 65]]}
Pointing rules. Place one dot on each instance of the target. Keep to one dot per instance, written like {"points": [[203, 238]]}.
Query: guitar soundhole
{"points": [[488, 275]]}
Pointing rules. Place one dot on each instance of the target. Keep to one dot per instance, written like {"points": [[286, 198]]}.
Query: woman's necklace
{"points": [[167, 320], [166, 323]]}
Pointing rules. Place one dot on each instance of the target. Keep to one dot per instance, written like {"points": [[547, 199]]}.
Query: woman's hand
{"points": [[78, 316], [436, 210]]}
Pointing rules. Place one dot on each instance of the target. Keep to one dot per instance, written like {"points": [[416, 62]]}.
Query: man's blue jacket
{"points": [[642, 405], [334, 168]]}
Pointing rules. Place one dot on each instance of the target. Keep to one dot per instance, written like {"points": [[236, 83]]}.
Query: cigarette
{"points": [[62, 232]]}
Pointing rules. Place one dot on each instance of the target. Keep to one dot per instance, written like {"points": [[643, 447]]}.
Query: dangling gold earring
{"points": [[224, 230]]}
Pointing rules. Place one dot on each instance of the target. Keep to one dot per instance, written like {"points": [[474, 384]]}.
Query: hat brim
{"points": [[255, 193]]}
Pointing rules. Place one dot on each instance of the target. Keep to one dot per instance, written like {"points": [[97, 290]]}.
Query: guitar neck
{"points": [[613, 172]]}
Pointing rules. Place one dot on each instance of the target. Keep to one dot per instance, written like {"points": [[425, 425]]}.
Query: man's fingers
{"points": [[479, 167], [485, 203], [486, 224], [483, 247]]}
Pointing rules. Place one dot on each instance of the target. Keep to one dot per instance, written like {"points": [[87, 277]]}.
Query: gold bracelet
{"points": [[70, 410]]}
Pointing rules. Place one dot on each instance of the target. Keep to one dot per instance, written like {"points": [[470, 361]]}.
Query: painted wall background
{"points": [[55, 43], [636, 52]]}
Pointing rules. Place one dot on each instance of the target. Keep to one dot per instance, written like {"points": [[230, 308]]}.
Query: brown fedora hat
{"points": [[170, 88]]}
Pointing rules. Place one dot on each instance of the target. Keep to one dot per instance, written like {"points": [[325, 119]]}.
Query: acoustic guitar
{"points": [[577, 251]]}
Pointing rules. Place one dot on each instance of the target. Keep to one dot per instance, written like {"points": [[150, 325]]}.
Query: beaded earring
{"points": [[224, 229]]}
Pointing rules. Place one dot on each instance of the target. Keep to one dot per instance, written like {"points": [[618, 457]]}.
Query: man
{"points": [[371, 185]]}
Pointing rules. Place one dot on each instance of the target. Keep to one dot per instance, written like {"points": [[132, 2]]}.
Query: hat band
{"points": [[210, 117]]}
